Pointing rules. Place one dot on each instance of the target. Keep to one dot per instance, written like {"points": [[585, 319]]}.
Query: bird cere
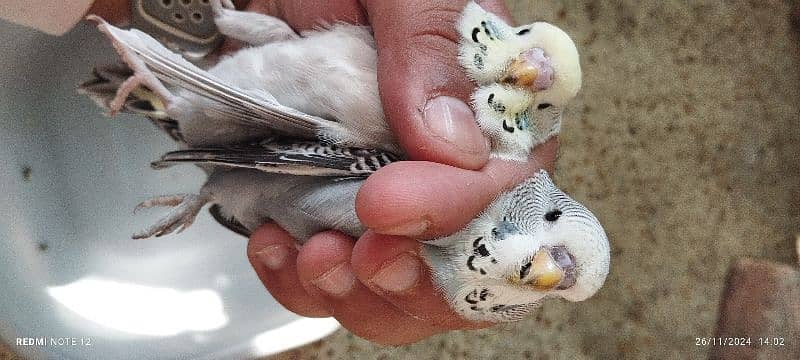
{"points": [[275, 151]]}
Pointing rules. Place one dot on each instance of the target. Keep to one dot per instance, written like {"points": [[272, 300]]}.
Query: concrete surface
{"points": [[685, 142], [761, 299]]}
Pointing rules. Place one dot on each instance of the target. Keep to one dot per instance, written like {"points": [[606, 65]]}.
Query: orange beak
{"points": [[545, 272], [520, 73], [530, 70]]}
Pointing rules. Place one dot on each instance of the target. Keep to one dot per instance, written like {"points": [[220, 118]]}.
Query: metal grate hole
{"points": [[166, 3], [178, 17], [197, 17]]}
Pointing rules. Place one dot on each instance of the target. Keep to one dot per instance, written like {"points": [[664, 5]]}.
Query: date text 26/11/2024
{"points": [[739, 341]]}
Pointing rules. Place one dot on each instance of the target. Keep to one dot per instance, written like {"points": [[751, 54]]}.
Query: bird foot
{"points": [[124, 90], [217, 6], [249, 27], [185, 208], [142, 76], [105, 82]]}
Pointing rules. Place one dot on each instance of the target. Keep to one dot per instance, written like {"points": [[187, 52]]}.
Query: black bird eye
{"points": [[544, 106], [524, 270], [552, 215]]}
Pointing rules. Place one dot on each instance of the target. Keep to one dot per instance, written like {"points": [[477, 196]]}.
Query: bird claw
{"points": [[185, 208], [142, 76], [124, 90]]}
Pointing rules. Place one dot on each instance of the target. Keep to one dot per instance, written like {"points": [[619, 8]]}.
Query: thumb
{"points": [[423, 88]]}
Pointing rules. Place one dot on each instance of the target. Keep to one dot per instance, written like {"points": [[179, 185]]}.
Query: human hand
{"points": [[378, 287]]}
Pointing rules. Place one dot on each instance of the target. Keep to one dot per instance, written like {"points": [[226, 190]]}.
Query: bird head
{"points": [[537, 63], [547, 65], [539, 57], [531, 244]]}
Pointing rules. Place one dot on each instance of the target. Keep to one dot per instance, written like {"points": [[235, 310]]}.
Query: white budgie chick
{"points": [[527, 74], [288, 129]]}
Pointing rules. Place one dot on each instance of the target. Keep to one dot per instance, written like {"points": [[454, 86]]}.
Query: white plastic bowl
{"points": [[72, 282]]}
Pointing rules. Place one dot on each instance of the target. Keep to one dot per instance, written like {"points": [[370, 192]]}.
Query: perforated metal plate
{"points": [[183, 25]]}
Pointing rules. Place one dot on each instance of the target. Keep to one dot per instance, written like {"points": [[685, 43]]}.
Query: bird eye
{"points": [[544, 106], [552, 215], [524, 270]]}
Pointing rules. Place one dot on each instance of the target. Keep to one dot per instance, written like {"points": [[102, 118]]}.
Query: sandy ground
{"points": [[685, 143]]}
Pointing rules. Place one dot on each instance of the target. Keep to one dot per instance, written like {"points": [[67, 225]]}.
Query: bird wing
{"points": [[249, 107], [295, 158]]}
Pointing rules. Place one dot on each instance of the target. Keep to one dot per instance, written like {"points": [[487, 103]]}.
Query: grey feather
{"points": [[295, 158]]}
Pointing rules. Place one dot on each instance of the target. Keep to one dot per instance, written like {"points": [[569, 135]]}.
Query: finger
{"points": [[424, 90], [325, 269], [273, 254], [393, 267], [430, 200], [304, 15]]}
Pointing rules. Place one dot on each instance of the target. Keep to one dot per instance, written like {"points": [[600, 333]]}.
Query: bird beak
{"points": [[530, 70], [545, 272]]}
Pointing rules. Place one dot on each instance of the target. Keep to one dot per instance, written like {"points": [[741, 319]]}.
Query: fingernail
{"points": [[452, 120], [273, 257], [337, 281], [399, 275], [412, 228]]}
